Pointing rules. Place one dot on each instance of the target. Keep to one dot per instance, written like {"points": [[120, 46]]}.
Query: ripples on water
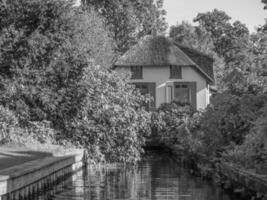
{"points": [[157, 177]]}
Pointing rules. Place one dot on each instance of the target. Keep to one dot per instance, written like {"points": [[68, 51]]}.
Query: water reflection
{"points": [[157, 177]]}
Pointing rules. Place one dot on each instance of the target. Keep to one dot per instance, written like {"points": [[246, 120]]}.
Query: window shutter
{"points": [[193, 93], [140, 72]]}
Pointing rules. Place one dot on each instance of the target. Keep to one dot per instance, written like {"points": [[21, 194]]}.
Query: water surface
{"points": [[156, 177]]}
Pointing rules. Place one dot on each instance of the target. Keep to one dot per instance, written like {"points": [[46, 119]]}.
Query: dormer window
{"points": [[137, 72], [175, 72]]}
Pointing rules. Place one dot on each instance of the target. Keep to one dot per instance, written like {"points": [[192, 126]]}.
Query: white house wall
{"points": [[161, 76]]}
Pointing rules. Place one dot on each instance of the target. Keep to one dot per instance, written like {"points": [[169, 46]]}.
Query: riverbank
{"points": [[232, 178]]}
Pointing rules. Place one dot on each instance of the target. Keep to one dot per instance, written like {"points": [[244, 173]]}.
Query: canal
{"points": [[156, 177]]}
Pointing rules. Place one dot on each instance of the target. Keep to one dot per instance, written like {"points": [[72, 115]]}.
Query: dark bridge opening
{"points": [[154, 143], [154, 147]]}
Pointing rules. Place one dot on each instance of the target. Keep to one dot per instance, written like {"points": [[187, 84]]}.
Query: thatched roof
{"points": [[162, 51], [205, 62]]}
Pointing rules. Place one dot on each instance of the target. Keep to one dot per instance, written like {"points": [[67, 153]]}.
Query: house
{"points": [[168, 71]]}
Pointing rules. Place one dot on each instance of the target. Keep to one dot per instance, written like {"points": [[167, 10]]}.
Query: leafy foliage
{"points": [[12, 132], [234, 44], [51, 87], [43, 59], [195, 37], [128, 21], [174, 123], [228, 39], [253, 152], [239, 58], [229, 119], [109, 120], [233, 128], [8, 124]]}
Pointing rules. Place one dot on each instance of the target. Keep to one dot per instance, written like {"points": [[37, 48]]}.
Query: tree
{"points": [[229, 39], [129, 20], [230, 119], [53, 81], [152, 17], [44, 47], [192, 36], [259, 50], [232, 43]]}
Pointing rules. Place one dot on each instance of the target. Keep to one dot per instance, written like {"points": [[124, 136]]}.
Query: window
{"points": [[175, 71], [137, 72], [143, 88], [182, 94], [185, 92]]}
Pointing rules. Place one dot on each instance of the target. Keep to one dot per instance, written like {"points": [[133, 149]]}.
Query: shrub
{"points": [[41, 132], [11, 132], [8, 124], [109, 120], [173, 124], [229, 119], [232, 126], [253, 151]]}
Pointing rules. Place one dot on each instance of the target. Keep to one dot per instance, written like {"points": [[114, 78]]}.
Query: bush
{"points": [[174, 123], [8, 124], [42, 132], [12, 132], [109, 120], [253, 151], [232, 128], [229, 119]]}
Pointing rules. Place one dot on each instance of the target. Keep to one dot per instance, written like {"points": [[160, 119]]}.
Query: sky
{"points": [[249, 12]]}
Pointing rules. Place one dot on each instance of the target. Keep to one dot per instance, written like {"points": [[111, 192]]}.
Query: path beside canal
{"points": [[13, 155], [25, 171]]}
